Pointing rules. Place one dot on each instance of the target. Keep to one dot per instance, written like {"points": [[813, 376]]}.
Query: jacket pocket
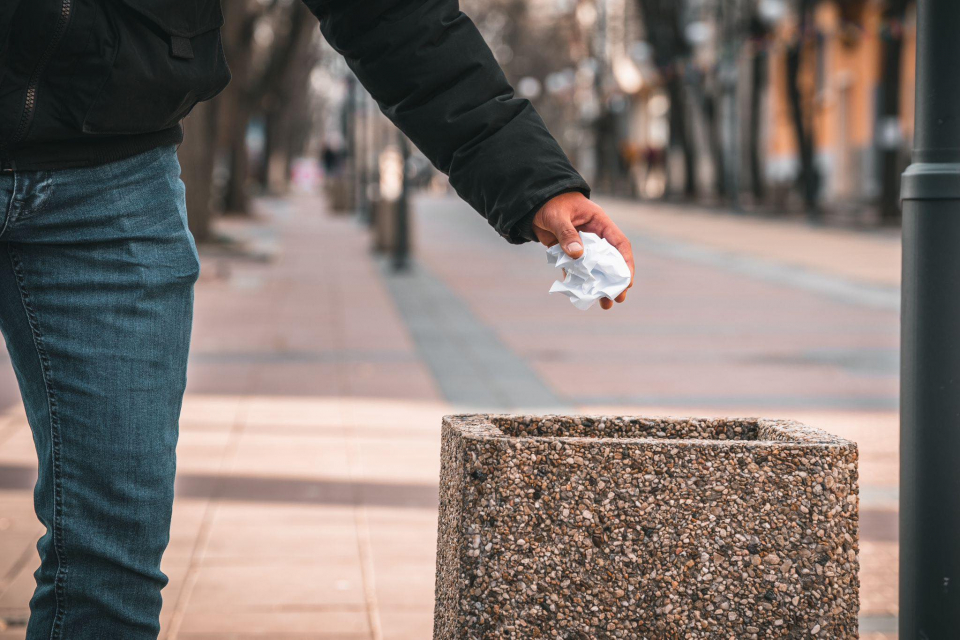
{"points": [[168, 57]]}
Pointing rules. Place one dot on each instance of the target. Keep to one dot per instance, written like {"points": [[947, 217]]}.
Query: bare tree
{"points": [[241, 19], [894, 14], [662, 22], [280, 91], [759, 34], [260, 71], [809, 178], [268, 75], [196, 156]]}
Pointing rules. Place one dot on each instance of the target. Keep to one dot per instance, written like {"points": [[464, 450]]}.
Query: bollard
{"points": [[401, 242]]}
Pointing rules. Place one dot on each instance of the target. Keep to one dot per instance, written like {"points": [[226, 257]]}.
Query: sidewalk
{"points": [[308, 455], [867, 256], [310, 434]]}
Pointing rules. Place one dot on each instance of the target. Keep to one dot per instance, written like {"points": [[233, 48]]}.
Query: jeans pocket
{"points": [[35, 190], [8, 189]]}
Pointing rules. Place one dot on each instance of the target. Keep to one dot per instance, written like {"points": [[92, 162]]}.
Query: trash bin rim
{"points": [[480, 426]]}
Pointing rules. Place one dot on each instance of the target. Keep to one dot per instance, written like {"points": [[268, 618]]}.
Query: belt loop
{"points": [[181, 47]]}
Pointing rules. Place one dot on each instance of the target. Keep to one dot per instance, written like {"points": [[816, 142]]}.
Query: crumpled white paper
{"points": [[601, 272]]}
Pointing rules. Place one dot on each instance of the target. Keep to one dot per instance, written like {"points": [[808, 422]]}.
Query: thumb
{"points": [[569, 238]]}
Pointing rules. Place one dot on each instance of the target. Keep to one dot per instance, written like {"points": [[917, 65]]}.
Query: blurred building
{"points": [[777, 105], [844, 83], [772, 103]]}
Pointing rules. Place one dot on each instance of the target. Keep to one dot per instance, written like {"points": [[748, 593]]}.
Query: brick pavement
{"points": [[866, 256], [309, 449]]}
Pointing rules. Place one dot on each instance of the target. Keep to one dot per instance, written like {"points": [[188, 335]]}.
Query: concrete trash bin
{"points": [[620, 527]]}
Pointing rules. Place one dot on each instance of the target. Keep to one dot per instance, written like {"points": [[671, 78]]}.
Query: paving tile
{"points": [[188, 515], [19, 447], [345, 624], [313, 414], [16, 512], [386, 413], [237, 515], [277, 585], [199, 449], [210, 411], [878, 577], [9, 387], [412, 381], [872, 257], [406, 623], [402, 536], [307, 457], [312, 379], [209, 379], [176, 570], [267, 543], [386, 459], [404, 583], [15, 599], [16, 549]]}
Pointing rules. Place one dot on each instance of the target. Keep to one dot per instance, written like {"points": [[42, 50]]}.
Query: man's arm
{"points": [[432, 74]]}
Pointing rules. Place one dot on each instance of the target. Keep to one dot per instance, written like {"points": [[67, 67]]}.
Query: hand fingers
{"points": [[562, 225], [568, 237], [545, 237], [614, 236], [606, 229]]}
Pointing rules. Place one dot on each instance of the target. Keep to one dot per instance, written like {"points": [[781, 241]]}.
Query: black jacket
{"points": [[83, 82]]}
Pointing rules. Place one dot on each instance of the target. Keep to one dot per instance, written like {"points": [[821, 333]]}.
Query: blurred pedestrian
{"points": [[97, 280], [332, 158]]}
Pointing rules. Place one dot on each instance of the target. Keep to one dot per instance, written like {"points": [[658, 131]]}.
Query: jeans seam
{"points": [[10, 206], [60, 578]]}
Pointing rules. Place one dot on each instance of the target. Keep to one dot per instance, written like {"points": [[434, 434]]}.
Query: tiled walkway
{"points": [[309, 450]]}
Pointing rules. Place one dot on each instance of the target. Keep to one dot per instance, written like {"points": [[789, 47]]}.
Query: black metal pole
{"points": [[930, 339], [364, 142], [350, 136], [401, 247]]}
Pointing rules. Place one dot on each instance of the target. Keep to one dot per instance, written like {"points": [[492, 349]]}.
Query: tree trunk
{"points": [[662, 24], [757, 90], [680, 134], [196, 168], [889, 120], [262, 172], [240, 21], [236, 200], [809, 178], [716, 147]]}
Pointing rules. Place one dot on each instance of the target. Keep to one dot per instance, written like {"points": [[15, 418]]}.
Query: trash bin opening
{"points": [[761, 432], [627, 427]]}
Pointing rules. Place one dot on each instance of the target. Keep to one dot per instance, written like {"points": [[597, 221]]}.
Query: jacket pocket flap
{"points": [[184, 19]]}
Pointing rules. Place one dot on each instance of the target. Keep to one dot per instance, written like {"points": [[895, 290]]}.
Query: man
{"points": [[97, 265]]}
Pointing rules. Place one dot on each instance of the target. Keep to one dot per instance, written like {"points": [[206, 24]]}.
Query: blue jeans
{"points": [[97, 269]]}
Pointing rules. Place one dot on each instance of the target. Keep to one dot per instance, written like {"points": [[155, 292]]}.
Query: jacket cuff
{"points": [[521, 231]]}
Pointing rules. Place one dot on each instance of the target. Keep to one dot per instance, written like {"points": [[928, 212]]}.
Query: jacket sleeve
{"points": [[427, 66]]}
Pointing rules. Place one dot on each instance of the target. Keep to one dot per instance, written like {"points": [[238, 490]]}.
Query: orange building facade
{"points": [[841, 83]]}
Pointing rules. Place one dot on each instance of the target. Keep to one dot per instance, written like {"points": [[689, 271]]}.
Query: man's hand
{"points": [[563, 217]]}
